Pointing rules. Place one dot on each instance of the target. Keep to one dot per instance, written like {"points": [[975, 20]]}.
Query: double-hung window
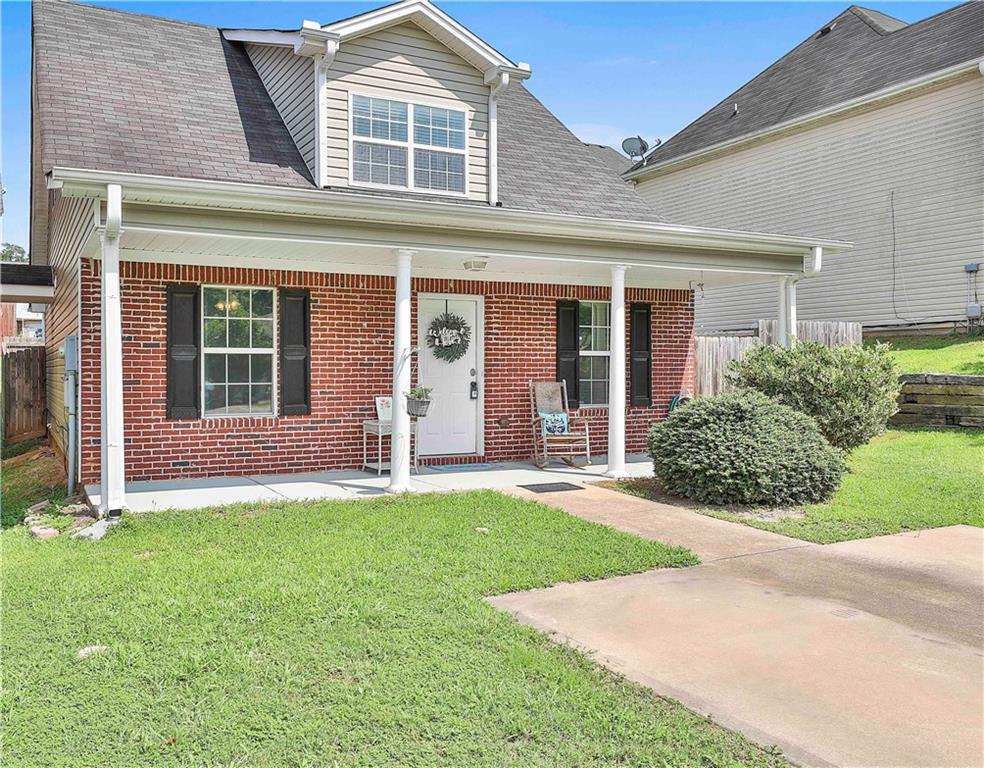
{"points": [[385, 152], [594, 341], [238, 344]]}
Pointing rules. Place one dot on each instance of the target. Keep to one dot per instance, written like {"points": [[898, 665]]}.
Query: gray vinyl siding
{"points": [[289, 79], [408, 64], [71, 226], [837, 180]]}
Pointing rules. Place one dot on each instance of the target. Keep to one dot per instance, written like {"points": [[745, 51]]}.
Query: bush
{"points": [[849, 391], [744, 448]]}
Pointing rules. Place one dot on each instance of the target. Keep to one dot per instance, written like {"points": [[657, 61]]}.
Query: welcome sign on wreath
{"points": [[448, 336]]}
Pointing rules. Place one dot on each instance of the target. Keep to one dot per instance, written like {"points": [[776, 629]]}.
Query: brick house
{"points": [[254, 232]]}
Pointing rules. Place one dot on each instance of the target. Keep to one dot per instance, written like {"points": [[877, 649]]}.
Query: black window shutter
{"points": [[641, 355], [295, 352], [183, 354], [567, 350]]}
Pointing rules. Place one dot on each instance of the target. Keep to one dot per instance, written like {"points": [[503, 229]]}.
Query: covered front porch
{"points": [[368, 266], [194, 493]]}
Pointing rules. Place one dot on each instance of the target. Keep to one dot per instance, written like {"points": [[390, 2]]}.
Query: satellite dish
{"points": [[635, 146]]}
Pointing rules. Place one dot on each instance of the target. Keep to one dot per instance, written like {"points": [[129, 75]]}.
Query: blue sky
{"points": [[608, 70]]}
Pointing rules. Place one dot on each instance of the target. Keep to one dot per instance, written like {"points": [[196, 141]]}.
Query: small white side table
{"points": [[382, 429]]}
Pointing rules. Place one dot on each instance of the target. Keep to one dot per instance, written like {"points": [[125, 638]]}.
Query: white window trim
{"points": [[597, 353], [410, 145], [275, 350]]}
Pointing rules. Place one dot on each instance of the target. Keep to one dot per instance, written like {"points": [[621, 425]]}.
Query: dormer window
{"points": [[431, 158]]}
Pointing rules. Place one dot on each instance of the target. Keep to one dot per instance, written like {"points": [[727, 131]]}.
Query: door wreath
{"points": [[448, 336]]}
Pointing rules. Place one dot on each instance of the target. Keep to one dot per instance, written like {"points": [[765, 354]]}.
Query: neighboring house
{"points": [[29, 325], [252, 230], [871, 130]]}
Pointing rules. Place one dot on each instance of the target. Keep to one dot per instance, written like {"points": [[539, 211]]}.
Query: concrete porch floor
{"points": [[148, 496]]}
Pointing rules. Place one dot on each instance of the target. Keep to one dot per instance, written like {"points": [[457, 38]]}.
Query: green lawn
{"points": [[29, 477], [938, 354], [327, 634], [905, 479]]}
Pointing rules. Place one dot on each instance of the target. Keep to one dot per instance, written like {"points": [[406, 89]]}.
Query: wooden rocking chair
{"points": [[550, 397]]}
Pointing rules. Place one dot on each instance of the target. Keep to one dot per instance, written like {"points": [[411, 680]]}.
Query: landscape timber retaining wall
{"points": [[941, 400]]}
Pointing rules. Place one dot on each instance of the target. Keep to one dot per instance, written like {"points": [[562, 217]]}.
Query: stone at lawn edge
{"points": [[92, 650], [43, 532], [39, 506], [81, 522], [97, 530]]}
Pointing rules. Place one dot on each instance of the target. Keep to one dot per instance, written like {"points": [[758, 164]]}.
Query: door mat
{"points": [[552, 487], [477, 467]]}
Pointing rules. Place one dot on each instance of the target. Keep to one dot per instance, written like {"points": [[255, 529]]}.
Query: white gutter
{"points": [[167, 190], [890, 92]]}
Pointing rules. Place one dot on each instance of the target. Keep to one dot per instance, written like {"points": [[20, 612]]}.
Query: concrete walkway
{"points": [[193, 493], [865, 653]]}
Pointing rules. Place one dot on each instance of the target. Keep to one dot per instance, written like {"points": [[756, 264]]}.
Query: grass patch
{"points": [[327, 634], [906, 479], [10, 450], [26, 479], [937, 354]]}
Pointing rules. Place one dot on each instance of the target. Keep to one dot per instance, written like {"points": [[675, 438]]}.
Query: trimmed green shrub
{"points": [[849, 391], [744, 448]]}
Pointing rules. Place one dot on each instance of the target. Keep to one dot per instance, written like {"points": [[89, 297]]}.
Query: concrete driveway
{"points": [[865, 653]]}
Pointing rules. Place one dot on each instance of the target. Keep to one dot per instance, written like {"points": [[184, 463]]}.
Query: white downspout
{"points": [[322, 47], [787, 332], [497, 81]]}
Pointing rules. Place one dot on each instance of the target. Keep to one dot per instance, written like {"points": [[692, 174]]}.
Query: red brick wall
{"points": [[352, 327]]}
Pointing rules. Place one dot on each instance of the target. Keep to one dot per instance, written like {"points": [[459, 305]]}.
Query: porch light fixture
{"points": [[476, 265]]}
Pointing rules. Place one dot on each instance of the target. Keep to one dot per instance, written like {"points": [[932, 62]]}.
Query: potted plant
{"points": [[418, 401]]}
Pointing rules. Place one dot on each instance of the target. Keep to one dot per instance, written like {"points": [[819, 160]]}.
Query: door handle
{"points": [[474, 390]]}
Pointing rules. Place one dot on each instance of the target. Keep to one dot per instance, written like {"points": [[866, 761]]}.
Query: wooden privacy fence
{"points": [[830, 333], [714, 353], [23, 393]]}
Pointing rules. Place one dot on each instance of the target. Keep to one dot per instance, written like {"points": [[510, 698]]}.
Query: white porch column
{"points": [[782, 319], [112, 492], [616, 378], [790, 302], [402, 357]]}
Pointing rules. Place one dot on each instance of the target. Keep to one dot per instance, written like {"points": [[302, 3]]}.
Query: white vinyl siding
{"points": [[289, 79], [71, 227], [839, 180], [405, 63]]}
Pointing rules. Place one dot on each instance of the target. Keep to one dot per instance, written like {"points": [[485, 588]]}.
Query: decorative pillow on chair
{"points": [[554, 423]]}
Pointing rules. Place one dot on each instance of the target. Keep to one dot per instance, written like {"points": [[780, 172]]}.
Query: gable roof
{"points": [[858, 53], [118, 91]]}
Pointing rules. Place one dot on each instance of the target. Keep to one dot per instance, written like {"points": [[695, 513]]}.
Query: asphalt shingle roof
{"points": [[25, 274], [120, 91], [864, 52]]}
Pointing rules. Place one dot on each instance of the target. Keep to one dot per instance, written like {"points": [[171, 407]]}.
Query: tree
{"points": [[13, 253]]}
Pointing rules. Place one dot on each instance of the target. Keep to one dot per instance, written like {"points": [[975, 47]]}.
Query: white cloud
{"points": [[600, 133]]}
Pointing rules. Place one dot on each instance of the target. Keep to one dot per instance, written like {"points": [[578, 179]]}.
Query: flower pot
{"points": [[417, 408]]}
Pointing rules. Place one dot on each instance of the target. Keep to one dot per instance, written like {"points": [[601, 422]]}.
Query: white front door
{"points": [[451, 424]]}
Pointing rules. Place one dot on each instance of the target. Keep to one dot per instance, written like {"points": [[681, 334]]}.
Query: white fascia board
{"points": [[286, 38], [26, 294], [476, 51], [891, 92], [330, 204]]}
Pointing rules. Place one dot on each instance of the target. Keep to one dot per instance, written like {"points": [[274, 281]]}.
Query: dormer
{"points": [[402, 99]]}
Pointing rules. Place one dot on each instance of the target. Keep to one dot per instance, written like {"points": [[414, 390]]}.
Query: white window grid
{"points": [[411, 145], [598, 331], [227, 350]]}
